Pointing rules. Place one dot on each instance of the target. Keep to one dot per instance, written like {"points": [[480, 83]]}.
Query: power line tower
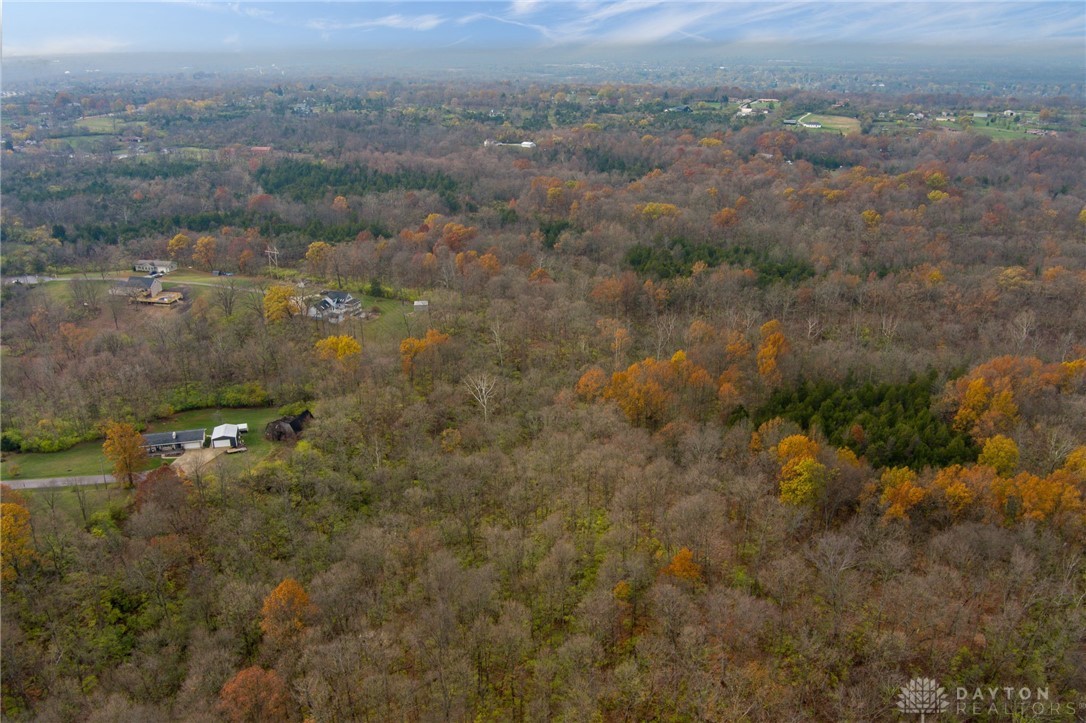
{"points": [[273, 256]]}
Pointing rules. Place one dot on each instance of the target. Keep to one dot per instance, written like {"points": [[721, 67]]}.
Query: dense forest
{"points": [[707, 417]]}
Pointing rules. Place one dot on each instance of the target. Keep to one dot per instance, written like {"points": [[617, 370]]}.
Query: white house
{"points": [[334, 305], [228, 435], [155, 266]]}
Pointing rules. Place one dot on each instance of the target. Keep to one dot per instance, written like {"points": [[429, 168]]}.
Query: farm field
{"points": [[101, 124], [840, 123]]}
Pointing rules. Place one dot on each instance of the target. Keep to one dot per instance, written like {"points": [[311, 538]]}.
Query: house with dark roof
{"points": [[167, 442], [137, 286]]}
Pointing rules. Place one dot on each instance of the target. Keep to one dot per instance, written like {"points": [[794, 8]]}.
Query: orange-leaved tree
{"points": [[900, 493], [412, 348], [286, 611], [683, 567], [255, 695], [773, 346], [16, 548], [124, 448]]}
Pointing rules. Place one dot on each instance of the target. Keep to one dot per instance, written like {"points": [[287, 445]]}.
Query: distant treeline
{"points": [[269, 226]]}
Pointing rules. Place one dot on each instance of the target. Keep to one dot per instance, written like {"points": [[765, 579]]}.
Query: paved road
{"points": [[34, 484]]}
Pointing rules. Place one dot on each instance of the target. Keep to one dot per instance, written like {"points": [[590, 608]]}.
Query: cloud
{"points": [[524, 7], [644, 22], [419, 23]]}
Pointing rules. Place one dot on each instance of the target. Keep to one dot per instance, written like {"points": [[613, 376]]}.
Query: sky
{"points": [[64, 27]]}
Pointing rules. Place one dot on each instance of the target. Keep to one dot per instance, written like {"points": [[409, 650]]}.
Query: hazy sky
{"points": [[45, 27]]}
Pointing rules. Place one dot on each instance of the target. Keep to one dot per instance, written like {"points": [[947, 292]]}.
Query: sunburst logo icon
{"points": [[924, 696]]}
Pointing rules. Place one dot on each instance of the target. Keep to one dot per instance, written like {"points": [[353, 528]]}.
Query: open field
{"points": [[999, 133], [84, 458], [87, 143], [840, 123], [100, 124]]}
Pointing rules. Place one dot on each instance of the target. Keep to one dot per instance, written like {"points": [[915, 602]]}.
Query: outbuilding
{"points": [[228, 435]]}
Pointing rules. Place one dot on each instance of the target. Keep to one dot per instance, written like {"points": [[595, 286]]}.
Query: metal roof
{"points": [[158, 439]]}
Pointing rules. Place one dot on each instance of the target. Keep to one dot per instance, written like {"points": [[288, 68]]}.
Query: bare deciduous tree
{"points": [[482, 388]]}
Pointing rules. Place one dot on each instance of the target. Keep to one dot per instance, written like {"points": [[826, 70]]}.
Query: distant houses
{"points": [[154, 266], [491, 143], [170, 442]]}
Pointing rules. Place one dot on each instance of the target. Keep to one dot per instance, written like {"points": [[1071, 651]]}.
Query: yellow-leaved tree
{"points": [[205, 252], [803, 478], [338, 348], [1001, 454], [178, 245], [280, 304]]}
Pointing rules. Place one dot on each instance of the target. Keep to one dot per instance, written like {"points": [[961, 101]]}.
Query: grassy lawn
{"points": [[100, 124], [86, 458], [90, 144], [65, 500], [839, 123], [1000, 134], [389, 326]]}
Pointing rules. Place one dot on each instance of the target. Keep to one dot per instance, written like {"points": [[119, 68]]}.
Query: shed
{"points": [[287, 428], [227, 435]]}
